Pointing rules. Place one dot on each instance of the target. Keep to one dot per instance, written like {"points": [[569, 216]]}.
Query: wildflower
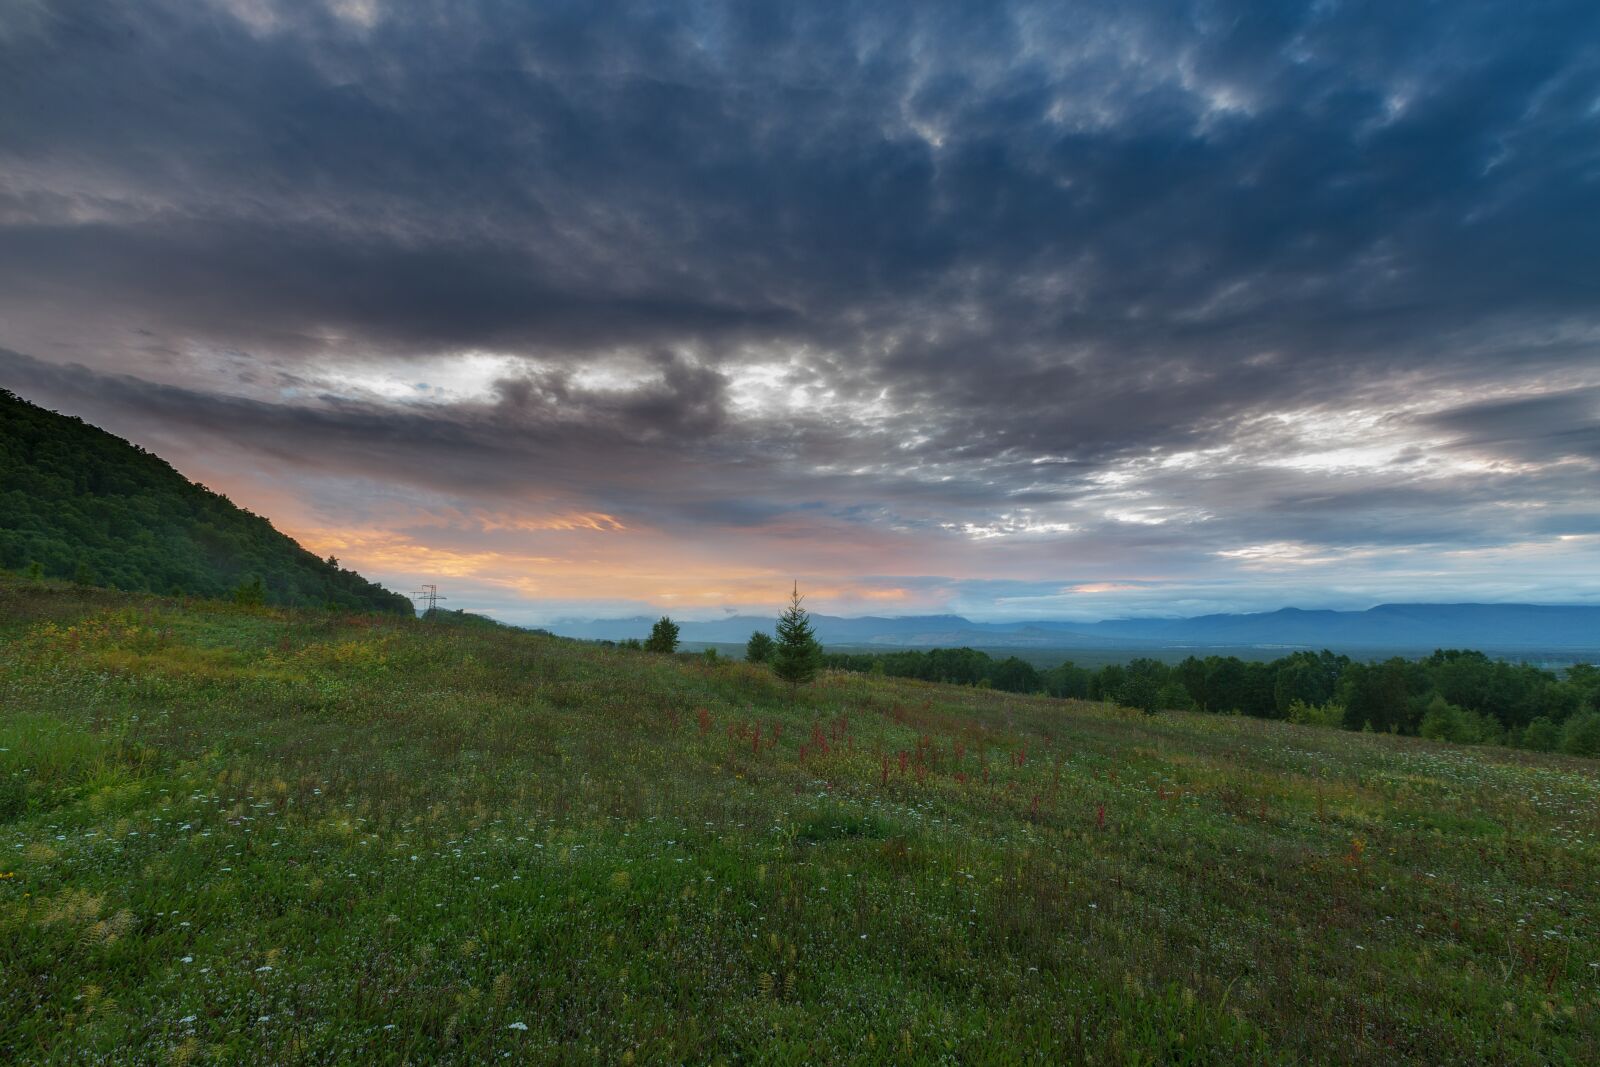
{"points": [[517, 1026], [187, 959]]}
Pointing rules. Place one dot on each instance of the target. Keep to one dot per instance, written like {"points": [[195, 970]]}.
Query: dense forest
{"points": [[81, 504], [1451, 695]]}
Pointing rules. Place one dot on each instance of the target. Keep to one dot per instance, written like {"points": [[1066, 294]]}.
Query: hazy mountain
{"points": [[1400, 626], [1385, 626]]}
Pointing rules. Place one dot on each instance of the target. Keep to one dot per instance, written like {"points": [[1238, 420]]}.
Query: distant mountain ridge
{"points": [[1399, 626], [78, 502]]}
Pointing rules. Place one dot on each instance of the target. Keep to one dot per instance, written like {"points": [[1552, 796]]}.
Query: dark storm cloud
{"points": [[1013, 256], [566, 437], [1098, 179], [277, 284], [1551, 426]]}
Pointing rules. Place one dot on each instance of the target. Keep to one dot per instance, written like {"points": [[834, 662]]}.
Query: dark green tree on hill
{"points": [[1141, 691], [1581, 737], [797, 655], [759, 648], [1016, 676], [663, 636]]}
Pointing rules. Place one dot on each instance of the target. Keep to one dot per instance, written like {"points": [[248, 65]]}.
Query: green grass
{"points": [[260, 837]]}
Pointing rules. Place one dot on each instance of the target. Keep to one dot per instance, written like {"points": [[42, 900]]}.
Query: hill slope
{"points": [[231, 836], [80, 502]]}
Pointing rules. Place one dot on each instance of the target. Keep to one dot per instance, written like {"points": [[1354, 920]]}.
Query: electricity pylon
{"points": [[429, 594]]}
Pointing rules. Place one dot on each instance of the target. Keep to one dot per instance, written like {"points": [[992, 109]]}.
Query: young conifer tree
{"points": [[798, 654]]}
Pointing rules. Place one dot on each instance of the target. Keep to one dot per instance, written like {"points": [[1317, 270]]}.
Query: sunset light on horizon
{"points": [[1010, 310]]}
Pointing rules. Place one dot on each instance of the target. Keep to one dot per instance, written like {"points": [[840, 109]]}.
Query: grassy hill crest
{"points": [[263, 835]]}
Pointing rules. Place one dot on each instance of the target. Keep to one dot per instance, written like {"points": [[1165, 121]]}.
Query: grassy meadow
{"points": [[245, 836]]}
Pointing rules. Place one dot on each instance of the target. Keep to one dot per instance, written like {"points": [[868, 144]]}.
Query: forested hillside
{"points": [[79, 503]]}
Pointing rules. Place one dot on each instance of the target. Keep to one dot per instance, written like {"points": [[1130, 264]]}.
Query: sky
{"points": [[1017, 310]]}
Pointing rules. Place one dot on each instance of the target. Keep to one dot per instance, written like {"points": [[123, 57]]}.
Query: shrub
{"points": [[1140, 691], [663, 636], [1542, 735], [1444, 721], [1329, 714], [1440, 721], [759, 648], [251, 593], [1175, 697], [1482, 729], [1581, 737]]}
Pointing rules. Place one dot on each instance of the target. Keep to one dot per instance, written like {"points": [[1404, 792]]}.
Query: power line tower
{"points": [[429, 595]]}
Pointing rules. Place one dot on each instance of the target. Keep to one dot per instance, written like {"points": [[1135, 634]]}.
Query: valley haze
{"points": [[1387, 627]]}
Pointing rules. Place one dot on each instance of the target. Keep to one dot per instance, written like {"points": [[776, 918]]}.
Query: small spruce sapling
{"points": [[797, 654]]}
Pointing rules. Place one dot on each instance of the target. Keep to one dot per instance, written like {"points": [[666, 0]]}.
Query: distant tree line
{"points": [[795, 655], [79, 504], [1453, 695], [958, 666]]}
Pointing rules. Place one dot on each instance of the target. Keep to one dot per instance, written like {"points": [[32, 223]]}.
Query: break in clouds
{"points": [[1010, 309]]}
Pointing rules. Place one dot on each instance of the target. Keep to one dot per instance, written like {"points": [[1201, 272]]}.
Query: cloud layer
{"points": [[1019, 309]]}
